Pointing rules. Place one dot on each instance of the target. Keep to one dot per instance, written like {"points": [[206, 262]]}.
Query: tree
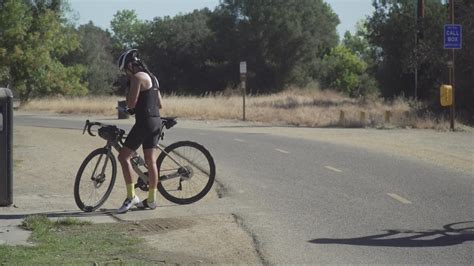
{"points": [[359, 45], [358, 42], [282, 41], [343, 71], [177, 49], [96, 54], [128, 30], [391, 30], [31, 49]]}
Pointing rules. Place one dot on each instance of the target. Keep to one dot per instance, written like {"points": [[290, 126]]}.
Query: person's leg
{"points": [[150, 159], [131, 145], [151, 154], [132, 199], [124, 159]]}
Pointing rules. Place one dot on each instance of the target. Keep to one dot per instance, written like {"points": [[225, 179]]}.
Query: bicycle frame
{"points": [[136, 165], [117, 144]]}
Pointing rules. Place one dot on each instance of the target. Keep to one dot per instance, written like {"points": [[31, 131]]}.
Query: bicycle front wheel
{"points": [[187, 172], [95, 180]]}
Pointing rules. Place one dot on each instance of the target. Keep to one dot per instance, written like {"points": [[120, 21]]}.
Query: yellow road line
{"points": [[399, 198], [282, 151], [333, 169]]}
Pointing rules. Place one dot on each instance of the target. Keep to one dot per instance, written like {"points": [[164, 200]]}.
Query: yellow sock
{"points": [[151, 195], [130, 191]]}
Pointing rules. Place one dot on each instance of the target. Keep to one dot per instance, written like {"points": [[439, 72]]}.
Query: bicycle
{"points": [[186, 169]]}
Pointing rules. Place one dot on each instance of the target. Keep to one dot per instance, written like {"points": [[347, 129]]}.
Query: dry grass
{"points": [[100, 105], [310, 108]]}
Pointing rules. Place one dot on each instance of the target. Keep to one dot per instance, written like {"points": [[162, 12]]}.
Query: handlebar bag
{"points": [[110, 133]]}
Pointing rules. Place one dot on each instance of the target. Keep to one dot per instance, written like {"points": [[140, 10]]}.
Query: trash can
{"points": [[6, 145], [122, 110]]}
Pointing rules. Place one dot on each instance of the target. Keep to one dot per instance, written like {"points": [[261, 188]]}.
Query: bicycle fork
{"points": [[99, 179]]}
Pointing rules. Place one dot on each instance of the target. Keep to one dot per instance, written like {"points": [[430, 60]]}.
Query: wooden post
{"points": [[244, 91], [341, 118], [387, 117], [243, 80], [362, 117]]}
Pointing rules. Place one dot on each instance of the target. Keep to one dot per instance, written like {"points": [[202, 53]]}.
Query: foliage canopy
{"points": [[31, 49], [285, 42]]}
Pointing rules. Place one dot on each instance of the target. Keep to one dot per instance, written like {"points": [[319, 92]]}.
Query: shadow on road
{"points": [[57, 214], [74, 214], [450, 235]]}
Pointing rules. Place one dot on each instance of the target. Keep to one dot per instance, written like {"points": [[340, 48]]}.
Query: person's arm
{"points": [[133, 92]]}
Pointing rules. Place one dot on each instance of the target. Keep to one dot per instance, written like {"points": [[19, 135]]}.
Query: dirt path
{"points": [[45, 164]]}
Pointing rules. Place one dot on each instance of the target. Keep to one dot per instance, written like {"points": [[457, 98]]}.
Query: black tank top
{"points": [[147, 104]]}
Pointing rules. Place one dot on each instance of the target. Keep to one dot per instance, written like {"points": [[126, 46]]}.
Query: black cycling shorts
{"points": [[145, 132]]}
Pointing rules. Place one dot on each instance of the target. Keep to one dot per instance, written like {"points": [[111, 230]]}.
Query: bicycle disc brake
{"points": [[99, 180]]}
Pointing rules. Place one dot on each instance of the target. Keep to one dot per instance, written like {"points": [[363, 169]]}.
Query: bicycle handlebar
{"points": [[166, 123], [89, 125]]}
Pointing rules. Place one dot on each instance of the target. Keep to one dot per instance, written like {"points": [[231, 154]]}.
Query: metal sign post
{"points": [[243, 80], [452, 40]]}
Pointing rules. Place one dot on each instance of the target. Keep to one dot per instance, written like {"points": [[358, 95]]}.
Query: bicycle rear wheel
{"points": [[187, 172], [95, 180]]}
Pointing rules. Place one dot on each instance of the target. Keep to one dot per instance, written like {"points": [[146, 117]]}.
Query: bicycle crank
{"points": [[141, 184]]}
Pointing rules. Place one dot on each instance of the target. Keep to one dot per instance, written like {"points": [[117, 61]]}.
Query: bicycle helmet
{"points": [[127, 57]]}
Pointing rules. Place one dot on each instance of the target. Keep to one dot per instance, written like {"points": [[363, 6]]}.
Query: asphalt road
{"points": [[312, 202]]}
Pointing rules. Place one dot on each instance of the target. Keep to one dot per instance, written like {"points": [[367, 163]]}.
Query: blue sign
{"points": [[452, 36]]}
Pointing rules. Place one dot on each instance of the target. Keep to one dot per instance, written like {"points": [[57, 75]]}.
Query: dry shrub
{"points": [[102, 105], [299, 107]]}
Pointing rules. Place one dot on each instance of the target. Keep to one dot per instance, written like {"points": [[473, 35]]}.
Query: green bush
{"points": [[345, 72]]}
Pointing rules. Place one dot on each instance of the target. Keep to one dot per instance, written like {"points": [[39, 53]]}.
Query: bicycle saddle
{"points": [[169, 122]]}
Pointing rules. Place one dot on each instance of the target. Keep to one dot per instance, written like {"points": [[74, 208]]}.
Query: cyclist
{"points": [[144, 100]]}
